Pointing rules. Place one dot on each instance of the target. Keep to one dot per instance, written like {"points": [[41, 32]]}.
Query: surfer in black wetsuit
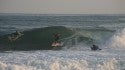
{"points": [[56, 37], [56, 44], [95, 47], [17, 33], [15, 36]]}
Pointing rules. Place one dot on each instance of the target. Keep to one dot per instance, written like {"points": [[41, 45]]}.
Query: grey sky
{"points": [[63, 6]]}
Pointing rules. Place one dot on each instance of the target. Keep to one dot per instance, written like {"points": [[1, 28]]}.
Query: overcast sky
{"points": [[63, 6]]}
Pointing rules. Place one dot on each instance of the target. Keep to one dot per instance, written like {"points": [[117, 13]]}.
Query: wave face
{"points": [[42, 38], [35, 39], [85, 38]]}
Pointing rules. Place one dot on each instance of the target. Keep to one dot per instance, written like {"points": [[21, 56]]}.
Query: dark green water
{"points": [[35, 39]]}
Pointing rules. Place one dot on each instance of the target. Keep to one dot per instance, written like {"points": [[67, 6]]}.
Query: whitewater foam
{"points": [[64, 65], [108, 65], [62, 60], [5, 66], [69, 65], [118, 40]]}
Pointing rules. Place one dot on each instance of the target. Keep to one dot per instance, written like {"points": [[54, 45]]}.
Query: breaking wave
{"points": [[41, 38], [117, 40]]}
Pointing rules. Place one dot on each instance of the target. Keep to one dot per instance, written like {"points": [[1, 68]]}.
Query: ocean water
{"points": [[106, 31]]}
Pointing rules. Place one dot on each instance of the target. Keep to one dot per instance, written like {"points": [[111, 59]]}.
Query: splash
{"points": [[118, 40]]}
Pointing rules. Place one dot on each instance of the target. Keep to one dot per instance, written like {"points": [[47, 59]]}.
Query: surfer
{"points": [[56, 44], [15, 36], [56, 37], [95, 47]]}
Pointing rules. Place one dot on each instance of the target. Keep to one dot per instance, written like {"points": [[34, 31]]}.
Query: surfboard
{"points": [[14, 38], [56, 45]]}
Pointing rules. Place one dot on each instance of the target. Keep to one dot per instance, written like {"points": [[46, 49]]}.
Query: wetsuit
{"points": [[57, 36]]}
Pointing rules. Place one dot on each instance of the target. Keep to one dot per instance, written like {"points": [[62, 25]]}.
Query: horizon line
{"points": [[56, 14]]}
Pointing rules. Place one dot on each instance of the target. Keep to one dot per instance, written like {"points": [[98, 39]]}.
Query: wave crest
{"points": [[118, 40]]}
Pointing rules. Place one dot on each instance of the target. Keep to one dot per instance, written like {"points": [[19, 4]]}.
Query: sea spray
{"points": [[117, 40]]}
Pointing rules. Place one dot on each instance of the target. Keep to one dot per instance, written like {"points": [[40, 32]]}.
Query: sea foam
{"points": [[117, 40]]}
